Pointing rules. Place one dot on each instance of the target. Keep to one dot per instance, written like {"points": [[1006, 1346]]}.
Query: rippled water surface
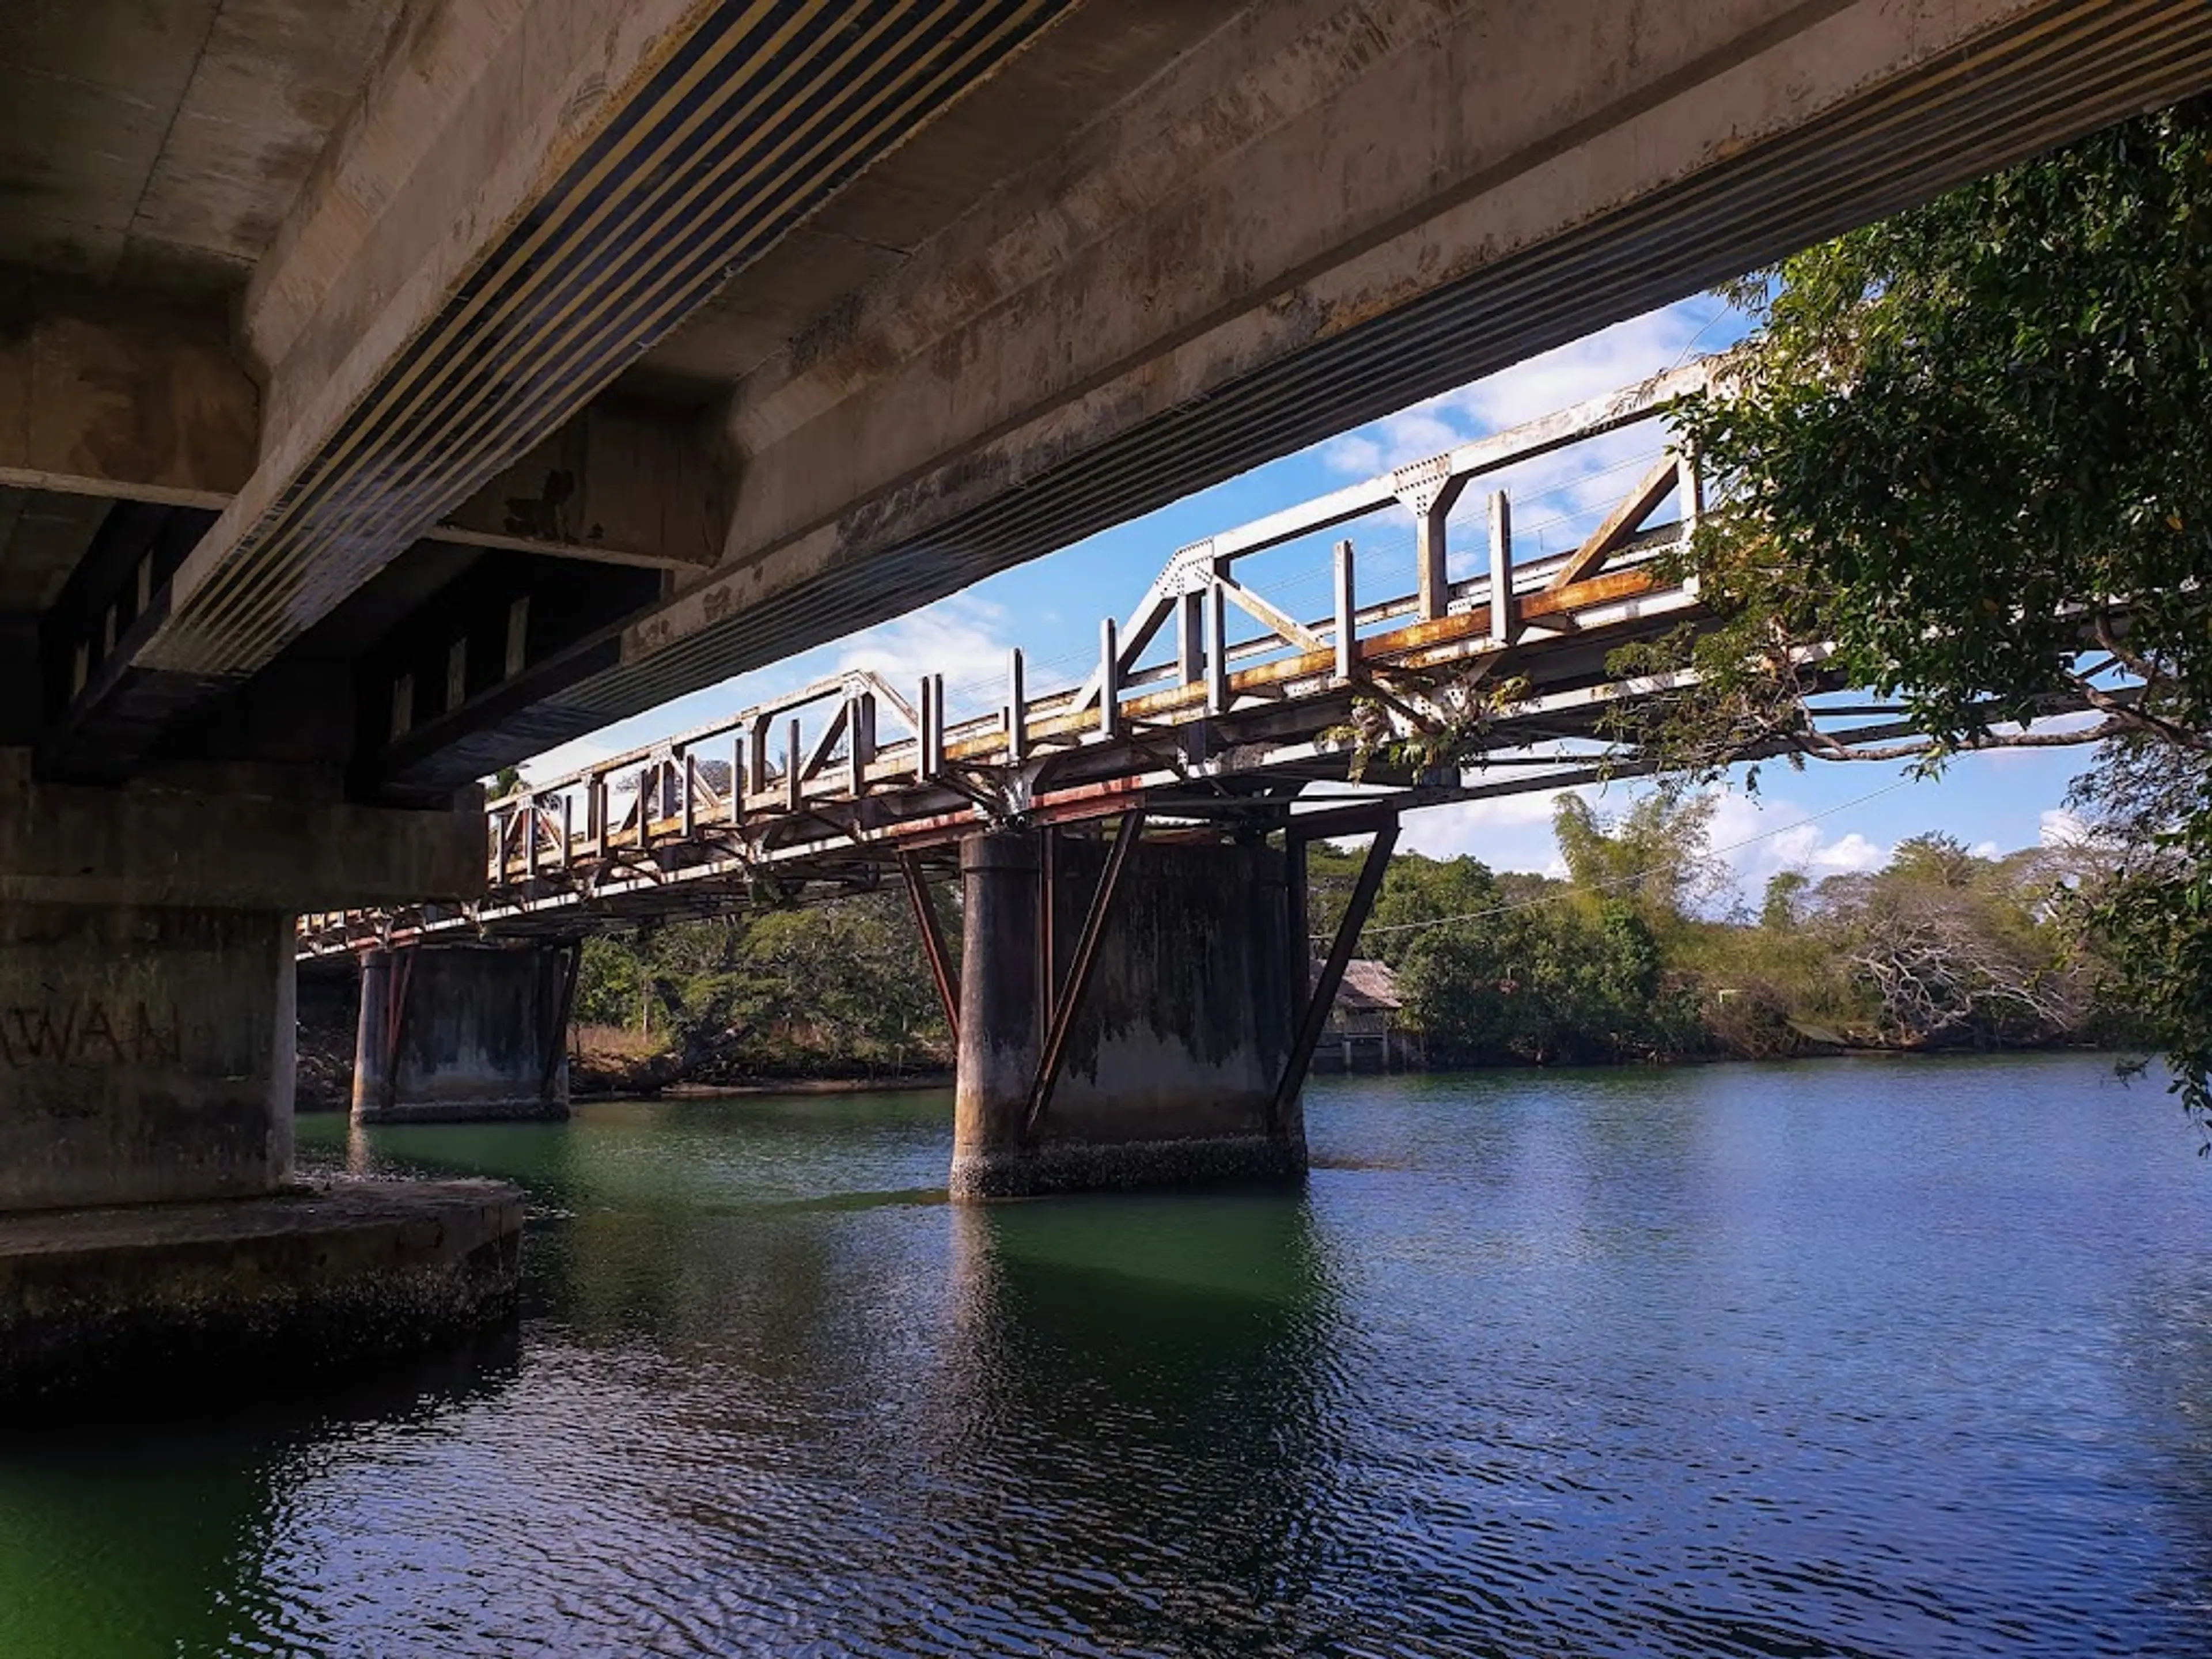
{"points": [[1848, 1358]]}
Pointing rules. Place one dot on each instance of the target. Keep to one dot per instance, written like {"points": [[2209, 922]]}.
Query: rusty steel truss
{"points": [[1252, 714]]}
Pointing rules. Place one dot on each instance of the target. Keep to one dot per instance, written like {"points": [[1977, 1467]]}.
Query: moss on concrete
{"points": [[99, 1305], [1083, 1167]]}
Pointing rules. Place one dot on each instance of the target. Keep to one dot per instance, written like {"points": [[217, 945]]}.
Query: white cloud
{"points": [[963, 637], [2060, 827], [1753, 837], [1758, 837], [1506, 832], [1359, 455], [1557, 498], [1611, 358]]}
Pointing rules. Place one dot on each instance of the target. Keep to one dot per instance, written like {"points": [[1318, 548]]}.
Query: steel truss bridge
{"points": [[1211, 705]]}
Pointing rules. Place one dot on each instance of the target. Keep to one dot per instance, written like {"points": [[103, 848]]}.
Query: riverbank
{"points": [[912, 1083], [621, 1065], [606, 1062]]}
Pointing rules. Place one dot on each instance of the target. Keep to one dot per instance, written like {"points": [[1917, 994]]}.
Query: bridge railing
{"points": [[1203, 646], [841, 736]]}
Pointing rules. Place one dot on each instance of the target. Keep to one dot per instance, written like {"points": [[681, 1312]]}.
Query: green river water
{"points": [[1849, 1357]]}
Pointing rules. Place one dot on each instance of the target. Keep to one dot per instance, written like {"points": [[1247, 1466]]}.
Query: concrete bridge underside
{"points": [[390, 388]]}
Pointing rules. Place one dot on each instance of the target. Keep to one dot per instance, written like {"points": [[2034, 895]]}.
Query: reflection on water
{"points": [[1140, 1401], [1846, 1360]]}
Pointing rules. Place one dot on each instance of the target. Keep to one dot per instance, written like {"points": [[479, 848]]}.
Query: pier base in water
{"points": [[463, 1034], [152, 1235], [1175, 1046], [142, 1304]]}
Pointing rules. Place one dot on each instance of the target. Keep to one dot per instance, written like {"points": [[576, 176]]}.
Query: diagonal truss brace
{"points": [[1653, 488], [396, 1004], [1130, 831], [1322, 997], [566, 968], [932, 943]]}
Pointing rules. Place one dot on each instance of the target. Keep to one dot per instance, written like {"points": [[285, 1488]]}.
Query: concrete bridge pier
{"points": [[463, 1034], [1132, 1013], [152, 1231]]}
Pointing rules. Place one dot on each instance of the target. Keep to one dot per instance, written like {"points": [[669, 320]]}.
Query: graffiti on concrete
{"points": [[89, 1031]]}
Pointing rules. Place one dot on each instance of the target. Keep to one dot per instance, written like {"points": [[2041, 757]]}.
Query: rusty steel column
{"points": [[1000, 1007]]}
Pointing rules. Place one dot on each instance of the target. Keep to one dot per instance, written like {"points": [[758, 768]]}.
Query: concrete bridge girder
{"points": [[1096, 255], [154, 403]]}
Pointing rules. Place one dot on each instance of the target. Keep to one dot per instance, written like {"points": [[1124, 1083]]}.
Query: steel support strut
{"points": [[932, 943], [567, 966], [1130, 831], [1324, 995], [395, 1018]]}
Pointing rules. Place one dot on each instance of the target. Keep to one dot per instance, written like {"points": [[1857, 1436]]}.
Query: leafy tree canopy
{"points": [[1653, 857], [1963, 447]]}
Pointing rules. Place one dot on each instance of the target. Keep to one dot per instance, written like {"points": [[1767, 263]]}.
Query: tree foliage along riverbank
{"points": [[1625, 959], [1966, 446], [839, 990]]}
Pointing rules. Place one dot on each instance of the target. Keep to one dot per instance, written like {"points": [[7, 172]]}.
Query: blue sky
{"points": [[1826, 818]]}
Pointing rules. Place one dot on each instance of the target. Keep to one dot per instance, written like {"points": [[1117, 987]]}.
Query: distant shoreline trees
{"points": [[1962, 452], [1623, 960]]}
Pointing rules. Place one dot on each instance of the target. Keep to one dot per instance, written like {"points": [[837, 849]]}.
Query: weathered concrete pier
{"points": [[1127, 1014], [463, 1034], [127, 1302], [1134, 1012], [147, 1206]]}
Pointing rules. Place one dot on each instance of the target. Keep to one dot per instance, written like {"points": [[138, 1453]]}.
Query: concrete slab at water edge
{"points": [[186, 1298]]}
